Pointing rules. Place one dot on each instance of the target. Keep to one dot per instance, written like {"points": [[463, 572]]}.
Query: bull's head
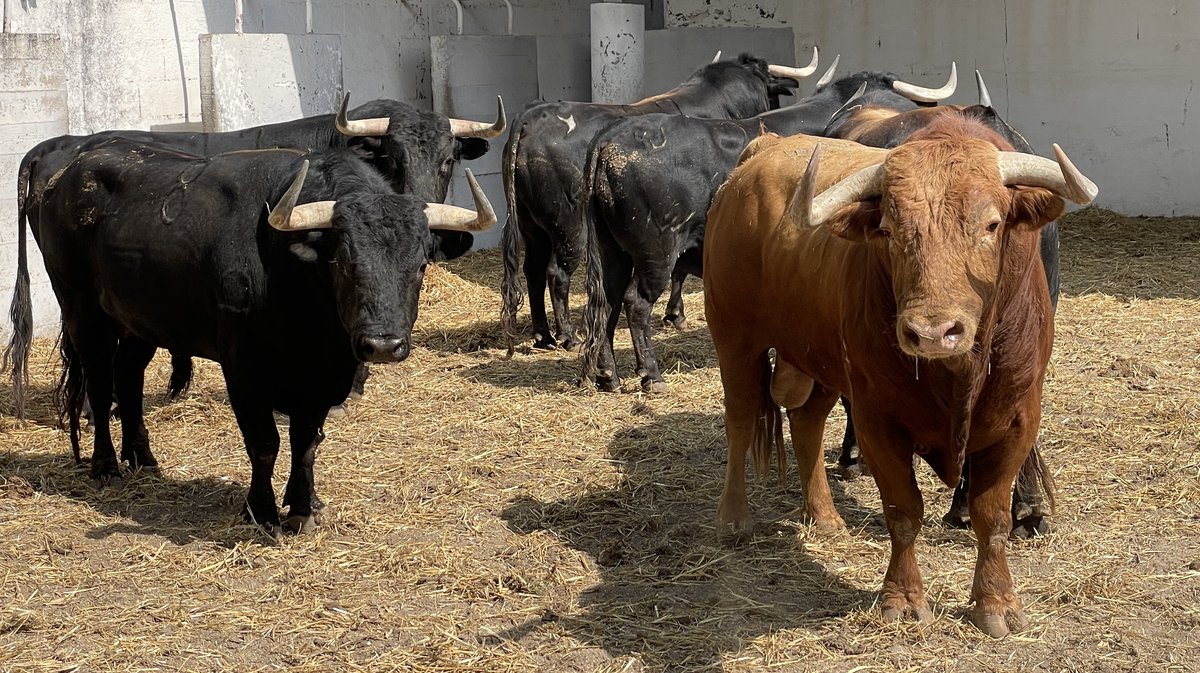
{"points": [[945, 208], [376, 245]]}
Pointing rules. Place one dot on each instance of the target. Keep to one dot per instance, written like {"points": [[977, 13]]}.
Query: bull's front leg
{"points": [[300, 496], [646, 287], [889, 457], [255, 417], [997, 608]]}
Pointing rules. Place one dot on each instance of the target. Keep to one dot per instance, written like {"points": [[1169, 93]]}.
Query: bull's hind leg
{"points": [[997, 608], [744, 377], [648, 285], [890, 460], [536, 265], [300, 496], [850, 462], [808, 406], [95, 344], [674, 316], [133, 354], [563, 264], [1029, 510]]}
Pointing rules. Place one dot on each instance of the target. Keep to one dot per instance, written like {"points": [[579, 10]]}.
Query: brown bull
{"points": [[909, 280]]}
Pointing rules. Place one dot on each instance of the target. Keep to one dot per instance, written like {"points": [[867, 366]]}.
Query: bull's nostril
{"points": [[956, 331]]}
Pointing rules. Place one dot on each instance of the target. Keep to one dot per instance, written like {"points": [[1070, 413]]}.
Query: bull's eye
{"points": [[993, 226]]}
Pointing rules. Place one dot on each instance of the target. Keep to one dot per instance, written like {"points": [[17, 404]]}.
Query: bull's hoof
{"points": [[607, 382], [355, 395], [734, 521], [140, 458], [544, 342], [568, 341], [339, 411], [999, 625], [849, 472], [300, 523], [652, 387], [895, 607], [267, 519], [957, 518], [826, 523], [677, 321], [111, 480], [1030, 527]]}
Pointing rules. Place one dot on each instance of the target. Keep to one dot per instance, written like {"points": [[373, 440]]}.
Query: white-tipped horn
{"points": [[466, 128], [375, 126], [453, 218], [717, 57], [923, 94], [1060, 177], [985, 99], [828, 76], [287, 216], [794, 73]]}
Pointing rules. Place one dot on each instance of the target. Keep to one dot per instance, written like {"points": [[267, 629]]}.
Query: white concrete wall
{"points": [[264, 78], [1109, 80], [33, 106]]}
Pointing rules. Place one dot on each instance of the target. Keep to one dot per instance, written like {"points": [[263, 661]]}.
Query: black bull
{"points": [[651, 180], [543, 166], [414, 150], [147, 248]]}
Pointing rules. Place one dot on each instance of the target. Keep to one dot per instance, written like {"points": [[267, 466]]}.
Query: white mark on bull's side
{"points": [[570, 122]]}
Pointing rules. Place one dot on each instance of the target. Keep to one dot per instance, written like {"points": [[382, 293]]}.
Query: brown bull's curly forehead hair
{"points": [[956, 126]]}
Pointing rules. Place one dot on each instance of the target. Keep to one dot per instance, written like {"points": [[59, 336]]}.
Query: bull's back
{"points": [[177, 265]]}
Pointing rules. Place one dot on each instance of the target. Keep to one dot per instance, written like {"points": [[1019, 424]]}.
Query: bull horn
{"points": [[287, 216], [794, 73], [452, 218], [375, 126], [465, 128], [850, 101], [922, 94], [985, 100], [1061, 177], [717, 57], [813, 211], [828, 76]]}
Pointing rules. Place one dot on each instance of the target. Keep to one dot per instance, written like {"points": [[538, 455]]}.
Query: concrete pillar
{"points": [[33, 108], [618, 52]]}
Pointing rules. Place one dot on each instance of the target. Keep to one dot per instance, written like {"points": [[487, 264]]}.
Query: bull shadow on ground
{"points": [[179, 510], [684, 351], [672, 594]]}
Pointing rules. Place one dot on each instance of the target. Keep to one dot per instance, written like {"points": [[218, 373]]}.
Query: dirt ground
{"points": [[488, 515]]}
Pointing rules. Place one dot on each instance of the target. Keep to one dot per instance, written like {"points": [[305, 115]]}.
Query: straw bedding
{"points": [[486, 514]]}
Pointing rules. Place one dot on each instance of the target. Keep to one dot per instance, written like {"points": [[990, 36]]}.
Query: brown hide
{"points": [[834, 300]]}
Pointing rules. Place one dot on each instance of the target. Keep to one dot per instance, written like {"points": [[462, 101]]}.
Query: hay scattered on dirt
{"points": [[486, 514]]}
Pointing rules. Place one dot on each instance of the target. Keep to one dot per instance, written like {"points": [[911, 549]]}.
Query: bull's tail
{"points": [[181, 376], [510, 242], [597, 312], [1036, 478], [16, 354], [768, 432], [69, 394]]}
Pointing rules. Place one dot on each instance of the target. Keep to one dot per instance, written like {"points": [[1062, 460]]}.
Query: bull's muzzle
{"points": [[381, 348], [933, 339]]}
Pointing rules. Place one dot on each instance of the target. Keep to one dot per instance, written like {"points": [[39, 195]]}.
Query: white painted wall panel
{"points": [[1109, 80]]}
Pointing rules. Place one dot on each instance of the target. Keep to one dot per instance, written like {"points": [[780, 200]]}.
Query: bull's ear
{"points": [[858, 221], [472, 148], [1034, 207]]}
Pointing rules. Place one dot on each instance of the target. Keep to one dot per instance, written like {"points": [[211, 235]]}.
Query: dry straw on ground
{"points": [[487, 515]]}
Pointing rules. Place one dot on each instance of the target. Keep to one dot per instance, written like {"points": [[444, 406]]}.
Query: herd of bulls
{"points": [[863, 242]]}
